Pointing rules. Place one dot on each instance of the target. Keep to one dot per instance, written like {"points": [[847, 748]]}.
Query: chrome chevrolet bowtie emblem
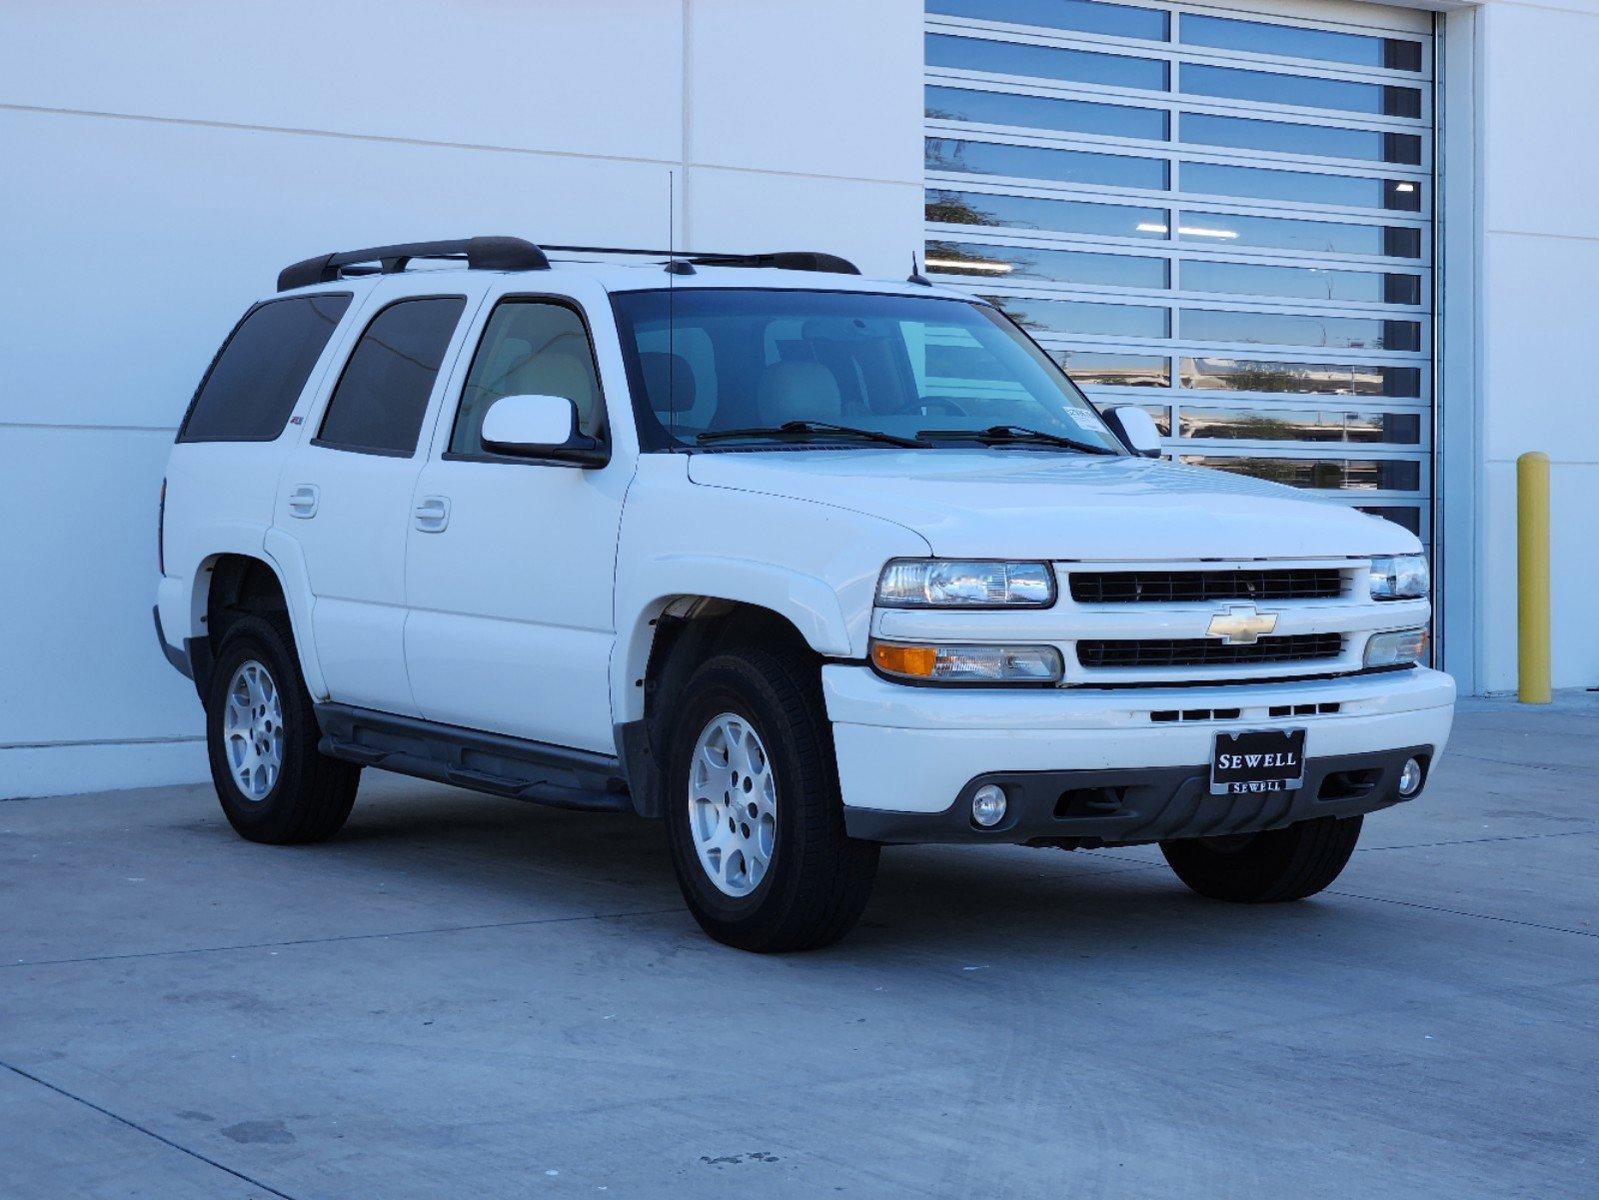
{"points": [[1241, 625]]}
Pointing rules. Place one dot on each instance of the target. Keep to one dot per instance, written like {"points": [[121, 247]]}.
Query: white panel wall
{"points": [[1539, 153], [162, 162]]}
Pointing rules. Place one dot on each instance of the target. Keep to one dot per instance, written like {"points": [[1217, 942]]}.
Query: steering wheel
{"points": [[927, 404]]}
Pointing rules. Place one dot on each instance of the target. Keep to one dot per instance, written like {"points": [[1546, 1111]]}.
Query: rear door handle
{"points": [[303, 501], [432, 514]]}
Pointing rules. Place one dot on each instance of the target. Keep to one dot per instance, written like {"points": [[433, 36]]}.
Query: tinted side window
{"points": [[262, 368], [383, 394], [530, 347]]}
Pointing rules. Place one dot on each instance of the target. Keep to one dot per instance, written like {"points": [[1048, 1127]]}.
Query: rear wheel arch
{"points": [[238, 584], [229, 584]]}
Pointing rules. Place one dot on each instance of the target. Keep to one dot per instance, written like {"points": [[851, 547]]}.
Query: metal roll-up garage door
{"points": [[1221, 215]]}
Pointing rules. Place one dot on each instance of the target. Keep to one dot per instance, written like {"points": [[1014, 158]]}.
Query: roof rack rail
{"points": [[784, 260], [480, 254]]}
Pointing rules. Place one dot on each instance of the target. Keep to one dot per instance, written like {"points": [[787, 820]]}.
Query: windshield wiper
{"points": [[808, 429], [1012, 435]]}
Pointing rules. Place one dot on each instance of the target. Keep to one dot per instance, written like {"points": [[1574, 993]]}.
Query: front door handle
{"points": [[432, 514], [303, 501]]}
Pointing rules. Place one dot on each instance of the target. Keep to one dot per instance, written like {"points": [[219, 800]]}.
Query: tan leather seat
{"points": [[798, 391]]}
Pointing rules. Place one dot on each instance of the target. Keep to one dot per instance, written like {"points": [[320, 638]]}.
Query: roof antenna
{"points": [[671, 300], [916, 275], [674, 265]]}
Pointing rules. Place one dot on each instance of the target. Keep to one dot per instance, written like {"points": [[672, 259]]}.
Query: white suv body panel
{"points": [[533, 612]]}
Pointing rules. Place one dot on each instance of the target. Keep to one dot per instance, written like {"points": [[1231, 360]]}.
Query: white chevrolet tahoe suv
{"points": [[798, 562]]}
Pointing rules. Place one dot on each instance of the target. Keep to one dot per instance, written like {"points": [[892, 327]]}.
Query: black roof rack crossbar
{"points": [[784, 260], [480, 254]]}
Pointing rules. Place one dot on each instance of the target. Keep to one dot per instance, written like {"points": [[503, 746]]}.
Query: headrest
{"points": [[668, 381], [561, 375], [792, 391]]}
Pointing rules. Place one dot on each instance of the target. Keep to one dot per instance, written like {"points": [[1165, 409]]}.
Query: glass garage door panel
{"points": [[1222, 219]]}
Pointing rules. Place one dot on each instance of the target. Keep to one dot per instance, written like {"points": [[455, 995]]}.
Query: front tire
{"points": [[753, 815], [262, 734], [1269, 867]]}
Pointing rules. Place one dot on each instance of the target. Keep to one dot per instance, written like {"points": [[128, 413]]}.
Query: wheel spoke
{"points": [[252, 730], [732, 804]]}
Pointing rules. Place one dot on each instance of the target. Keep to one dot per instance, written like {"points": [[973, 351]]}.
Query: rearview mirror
{"points": [[539, 427], [1136, 428]]}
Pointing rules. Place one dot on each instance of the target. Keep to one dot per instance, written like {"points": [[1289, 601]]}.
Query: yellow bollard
{"points": [[1532, 577]]}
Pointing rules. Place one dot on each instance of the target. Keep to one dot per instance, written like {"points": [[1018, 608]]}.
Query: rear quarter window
{"points": [[253, 384]]}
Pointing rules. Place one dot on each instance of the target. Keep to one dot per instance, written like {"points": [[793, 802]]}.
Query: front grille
{"points": [[1161, 587], [1207, 652]]}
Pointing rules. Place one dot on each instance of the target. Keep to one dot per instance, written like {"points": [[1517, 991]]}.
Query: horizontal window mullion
{"points": [[1227, 156], [1302, 115], [1264, 302], [1172, 51], [1270, 302], [1338, 356], [1170, 102], [1224, 155], [1065, 89], [1211, 56], [1295, 401], [1289, 353], [1250, 206], [1056, 189], [1042, 289], [1052, 39], [1296, 352], [1374, 24], [1291, 307], [1250, 60], [1078, 38], [1104, 243], [1098, 142], [1149, 198], [964, 180], [1300, 447]]}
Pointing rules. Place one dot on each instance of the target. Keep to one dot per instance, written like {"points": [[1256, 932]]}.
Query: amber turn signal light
{"points": [[915, 661]]}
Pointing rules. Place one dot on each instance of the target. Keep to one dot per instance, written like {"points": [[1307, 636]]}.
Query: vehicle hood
{"points": [[1015, 503]]}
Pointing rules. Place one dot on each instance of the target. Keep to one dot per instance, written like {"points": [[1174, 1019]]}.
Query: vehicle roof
{"points": [[650, 276]]}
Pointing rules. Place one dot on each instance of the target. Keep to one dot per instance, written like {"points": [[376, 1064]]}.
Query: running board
{"points": [[481, 762]]}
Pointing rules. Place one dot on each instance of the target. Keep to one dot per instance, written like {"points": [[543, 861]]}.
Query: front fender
{"points": [[810, 604]]}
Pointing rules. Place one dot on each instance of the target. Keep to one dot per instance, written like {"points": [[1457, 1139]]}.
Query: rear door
{"points": [[345, 495]]}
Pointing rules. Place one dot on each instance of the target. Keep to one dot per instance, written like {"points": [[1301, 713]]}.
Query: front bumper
{"points": [[1110, 766]]}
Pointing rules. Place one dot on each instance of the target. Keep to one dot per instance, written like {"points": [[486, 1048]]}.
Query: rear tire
{"points": [[786, 876], [1269, 867], [262, 735]]}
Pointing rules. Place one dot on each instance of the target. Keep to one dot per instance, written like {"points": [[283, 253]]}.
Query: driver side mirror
{"points": [[1136, 428], [539, 427]]}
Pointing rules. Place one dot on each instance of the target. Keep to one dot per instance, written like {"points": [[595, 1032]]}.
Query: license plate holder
{"points": [[1252, 761]]}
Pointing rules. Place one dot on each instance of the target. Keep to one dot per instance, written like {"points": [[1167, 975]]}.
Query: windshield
{"points": [[735, 366]]}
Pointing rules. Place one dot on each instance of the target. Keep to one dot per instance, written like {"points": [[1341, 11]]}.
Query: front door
{"points": [[346, 498], [511, 561]]}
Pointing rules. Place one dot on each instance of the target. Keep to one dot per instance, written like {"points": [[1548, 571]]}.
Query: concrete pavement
{"points": [[462, 996]]}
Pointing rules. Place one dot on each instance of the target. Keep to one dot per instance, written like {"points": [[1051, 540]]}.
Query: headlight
{"points": [[955, 583], [1396, 649], [1401, 577], [968, 664]]}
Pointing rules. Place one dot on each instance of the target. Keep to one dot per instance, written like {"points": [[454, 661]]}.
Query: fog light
{"points": [[988, 805], [1410, 778]]}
